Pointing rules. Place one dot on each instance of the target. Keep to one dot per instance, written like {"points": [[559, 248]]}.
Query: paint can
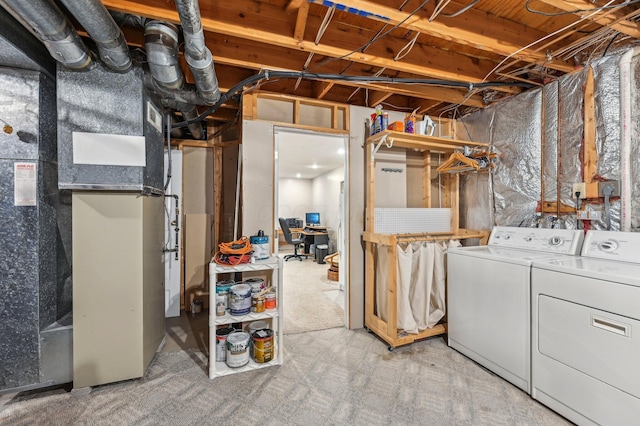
{"points": [[270, 300], [262, 345], [240, 299], [260, 245], [237, 349], [257, 302], [257, 284], [257, 325], [222, 294], [221, 343]]}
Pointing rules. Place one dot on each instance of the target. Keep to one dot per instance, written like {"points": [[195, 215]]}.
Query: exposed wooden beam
{"points": [[238, 52], [270, 25], [301, 22], [321, 88], [476, 28], [376, 97], [293, 5], [613, 19]]}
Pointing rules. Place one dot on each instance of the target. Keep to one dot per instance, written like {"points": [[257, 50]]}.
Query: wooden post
{"points": [[589, 153], [426, 179], [392, 293]]}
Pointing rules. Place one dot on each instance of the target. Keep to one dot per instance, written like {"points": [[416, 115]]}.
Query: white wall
{"points": [[326, 200], [257, 177], [295, 198]]}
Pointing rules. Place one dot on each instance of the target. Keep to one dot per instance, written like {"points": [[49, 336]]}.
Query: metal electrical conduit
{"points": [[266, 75]]}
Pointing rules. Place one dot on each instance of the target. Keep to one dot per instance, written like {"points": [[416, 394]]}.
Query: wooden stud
{"points": [[426, 179], [293, 5], [590, 152], [392, 295], [301, 22]]}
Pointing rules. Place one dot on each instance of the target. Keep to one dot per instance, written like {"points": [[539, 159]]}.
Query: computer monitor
{"points": [[312, 219]]}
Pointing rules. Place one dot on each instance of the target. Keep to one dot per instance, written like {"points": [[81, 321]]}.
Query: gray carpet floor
{"points": [[307, 297], [329, 377]]}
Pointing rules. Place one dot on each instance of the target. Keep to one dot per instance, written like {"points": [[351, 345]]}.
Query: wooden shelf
{"points": [[410, 140], [387, 329]]}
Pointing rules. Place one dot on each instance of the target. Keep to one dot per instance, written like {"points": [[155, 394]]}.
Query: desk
{"points": [[314, 237]]}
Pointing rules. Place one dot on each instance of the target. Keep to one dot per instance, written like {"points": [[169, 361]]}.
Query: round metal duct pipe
{"points": [[95, 18], [50, 25]]}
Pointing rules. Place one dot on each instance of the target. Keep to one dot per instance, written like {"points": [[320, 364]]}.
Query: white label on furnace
{"points": [[24, 184]]}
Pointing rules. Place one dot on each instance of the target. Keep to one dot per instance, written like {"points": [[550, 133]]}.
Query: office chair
{"points": [[294, 241]]}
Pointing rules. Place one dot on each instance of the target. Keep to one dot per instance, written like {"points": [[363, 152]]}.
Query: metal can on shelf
{"points": [[221, 343], [257, 302], [221, 304], [240, 299], [257, 284], [238, 349], [262, 345], [270, 300], [222, 290]]}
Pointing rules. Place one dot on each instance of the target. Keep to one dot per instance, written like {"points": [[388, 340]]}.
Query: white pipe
{"points": [[625, 137]]}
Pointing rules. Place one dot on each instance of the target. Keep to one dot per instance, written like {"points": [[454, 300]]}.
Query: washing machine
{"points": [[586, 331], [489, 296]]}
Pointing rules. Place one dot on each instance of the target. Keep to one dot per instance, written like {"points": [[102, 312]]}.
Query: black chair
{"points": [[294, 241]]}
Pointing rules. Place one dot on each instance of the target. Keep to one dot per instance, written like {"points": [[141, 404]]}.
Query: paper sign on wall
{"points": [[24, 184]]}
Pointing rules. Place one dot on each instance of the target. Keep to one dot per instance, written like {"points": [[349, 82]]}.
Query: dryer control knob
{"points": [[608, 246], [555, 241]]}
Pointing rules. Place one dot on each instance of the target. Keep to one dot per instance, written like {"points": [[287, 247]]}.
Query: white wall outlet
{"points": [[580, 188]]}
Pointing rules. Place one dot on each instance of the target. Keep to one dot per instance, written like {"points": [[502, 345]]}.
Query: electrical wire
{"points": [[374, 39], [461, 11], [572, 12], [582, 18], [238, 88]]}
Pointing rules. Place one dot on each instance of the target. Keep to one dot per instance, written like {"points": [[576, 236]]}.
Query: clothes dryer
{"points": [[586, 331], [489, 297]]}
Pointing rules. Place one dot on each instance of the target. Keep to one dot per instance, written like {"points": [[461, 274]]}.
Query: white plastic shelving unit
{"points": [[274, 264]]}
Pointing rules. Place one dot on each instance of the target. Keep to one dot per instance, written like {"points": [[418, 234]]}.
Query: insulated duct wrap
{"points": [[607, 105], [635, 144], [513, 129], [475, 189], [550, 142], [53, 29], [570, 133], [95, 18], [516, 135]]}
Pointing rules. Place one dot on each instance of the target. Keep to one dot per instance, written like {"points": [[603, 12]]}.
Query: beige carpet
{"points": [[307, 297], [329, 377]]}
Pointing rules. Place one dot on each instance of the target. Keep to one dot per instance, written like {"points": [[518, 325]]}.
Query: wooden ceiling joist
{"points": [[377, 97], [475, 28], [608, 18], [321, 88], [338, 41]]}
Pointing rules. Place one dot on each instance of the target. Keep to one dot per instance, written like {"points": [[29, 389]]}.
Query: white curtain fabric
{"points": [[421, 275]]}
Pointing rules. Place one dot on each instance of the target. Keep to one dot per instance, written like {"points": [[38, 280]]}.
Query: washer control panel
{"points": [[623, 246], [561, 241]]}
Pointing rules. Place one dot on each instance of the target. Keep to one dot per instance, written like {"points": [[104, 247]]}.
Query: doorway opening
{"points": [[310, 194]]}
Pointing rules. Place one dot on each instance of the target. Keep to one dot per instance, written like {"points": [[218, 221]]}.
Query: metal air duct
{"points": [[161, 44], [95, 18], [197, 54], [52, 28]]}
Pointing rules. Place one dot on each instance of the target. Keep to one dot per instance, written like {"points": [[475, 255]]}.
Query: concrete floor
{"points": [[188, 331]]}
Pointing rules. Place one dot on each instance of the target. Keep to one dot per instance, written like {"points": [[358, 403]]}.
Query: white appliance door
{"points": [[489, 314]]}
